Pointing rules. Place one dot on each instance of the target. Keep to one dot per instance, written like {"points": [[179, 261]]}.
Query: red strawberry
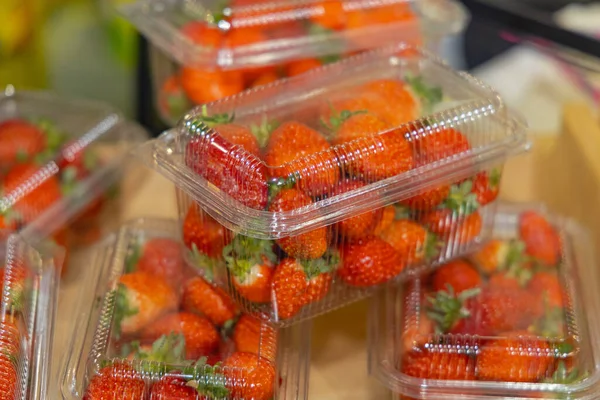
{"points": [[202, 298], [252, 335], [297, 283], [141, 298], [358, 226], [21, 141], [459, 228], [487, 186], [251, 262], [428, 199], [459, 274], [395, 104], [351, 125], [10, 346], [439, 363], [173, 102], [302, 156], [369, 262], [492, 256], [417, 331], [202, 232], [438, 144], [542, 241], [116, 378], [388, 215], [173, 387], [201, 337], [16, 282], [228, 165], [412, 241], [249, 376], [309, 245], [33, 190], [546, 287], [163, 258], [516, 357]]}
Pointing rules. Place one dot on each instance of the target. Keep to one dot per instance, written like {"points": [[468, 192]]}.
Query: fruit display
{"points": [[56, 166], [27, 275], [507, 321], [159, 330], [299, 199], [334, 29]]}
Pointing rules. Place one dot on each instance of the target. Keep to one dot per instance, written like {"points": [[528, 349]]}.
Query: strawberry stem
{"points": [[447, 308], [244, 252], [429, 96]]}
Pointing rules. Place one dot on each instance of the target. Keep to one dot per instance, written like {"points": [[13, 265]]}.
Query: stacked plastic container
{"points": [[517, 319], [206, 50]]}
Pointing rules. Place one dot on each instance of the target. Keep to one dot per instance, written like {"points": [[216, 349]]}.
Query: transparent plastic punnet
{"points": [[239, 33], [59, 162], [29, 295], [154, 327], [179, 85], [304, 195], [517, 319]]}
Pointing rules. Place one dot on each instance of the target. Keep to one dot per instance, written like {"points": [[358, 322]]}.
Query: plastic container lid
{"points": [[158, 326], [518, 319], [241, 33], [58, 156], [29, 296], [412, 98]]}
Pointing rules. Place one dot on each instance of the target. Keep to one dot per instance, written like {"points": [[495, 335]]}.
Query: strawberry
{"points": [[417, 331], [140, 299], [251, 335], [225, 164], [516, 357], [458, 274], [201, 337], [398, 106], [300, 282], [118, 378], [302, 156], [173, 387], [202, 234], [503, 280], [376, 157], [542, 241], [202, 298], [16, 280], [487, 186], [263, 79], [412, 241], [329, 15], [388, 214], [491, 257], [299, 67], [309, 245], [9, 355], [31, 189], [251, 262], [427, 200], [163, 258], [168, 349], [438, 144], [21, 141], [546, 287], [172, 101], [202, 34], [369, 262], [350, 125], [203, 85], [249, 376], [360, 225], [439, 363], [239, 135]]}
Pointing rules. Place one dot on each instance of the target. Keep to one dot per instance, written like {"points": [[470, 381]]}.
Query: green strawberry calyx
{"points": [[432, 246], [54, 136], [166, 349], [446, 308], [277, 184], [401, 212], [133, 255], [326, 264], [69, 181], [202, 262], [203, 121], [263, 131], [429, 96], [461, 199], [552, 324], [122, 309], [563, 376], [337, 118], [245, 252], [208, 380], [494, 178]]}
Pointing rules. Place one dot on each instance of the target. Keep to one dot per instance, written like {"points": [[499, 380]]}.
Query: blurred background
{"points": [[538, 53]]}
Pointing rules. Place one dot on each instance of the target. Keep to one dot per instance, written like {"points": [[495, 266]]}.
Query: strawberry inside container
{"points": [[305, 195], [59, 165], [160, 330], [28, 301], [517, 318]]}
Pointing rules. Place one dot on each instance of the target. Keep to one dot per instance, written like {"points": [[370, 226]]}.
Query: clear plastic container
{"points": [[60, 163], [298, 183], [153, 326], [517, 319], [29, 295], [179, 83]]}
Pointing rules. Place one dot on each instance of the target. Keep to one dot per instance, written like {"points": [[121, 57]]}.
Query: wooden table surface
{"points": [[562, 170]]}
